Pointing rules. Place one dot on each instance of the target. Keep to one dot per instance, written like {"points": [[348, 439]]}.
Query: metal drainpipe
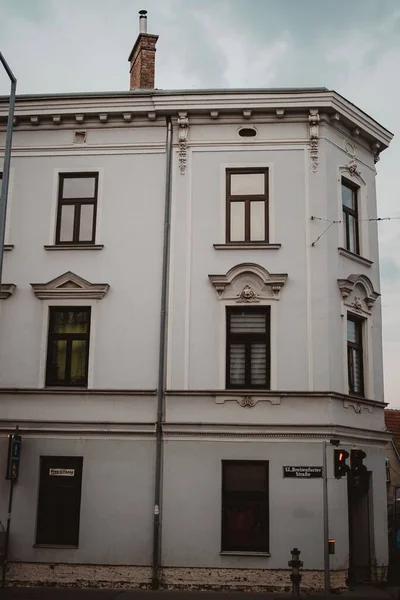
{"points": [[155, 580], [7, 159]]}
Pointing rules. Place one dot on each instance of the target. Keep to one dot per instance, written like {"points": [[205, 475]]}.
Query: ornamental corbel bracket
{"points": [[7, 290], [314, 120], [183, 130]]}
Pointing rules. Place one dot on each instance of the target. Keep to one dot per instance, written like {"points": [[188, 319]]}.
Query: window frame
{"points": [[224, 504], [51, 336], [247, 199], [353, 212], [77, 203], [358, 346], [45, 463], [248, 338]]}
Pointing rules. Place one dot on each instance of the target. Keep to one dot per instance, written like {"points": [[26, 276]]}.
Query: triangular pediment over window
{"points": [[70, 286]]}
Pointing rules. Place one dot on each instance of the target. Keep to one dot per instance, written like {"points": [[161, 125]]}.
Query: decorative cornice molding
{"points": [[199, 102], [70, 286], [7, 290], [183, 125], [347, 287], [248, 282], [313, 120], [357, 406], [69, 391], [279, 431], [247, 401]]}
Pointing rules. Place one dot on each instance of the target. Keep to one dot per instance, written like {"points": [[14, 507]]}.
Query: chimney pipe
{"points": [[142, 57], [143, 21]]}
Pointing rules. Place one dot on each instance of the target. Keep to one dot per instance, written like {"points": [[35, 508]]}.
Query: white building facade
{"points": [[272, 342]]}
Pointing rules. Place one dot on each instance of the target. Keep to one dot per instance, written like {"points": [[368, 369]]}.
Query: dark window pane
{"points": [[245, 506], [350, 218], [355, 356], [86, 223], [244, 184], [248, 322], [237, 222], [67, 223], [248, 350], [352, 234], [257, 221], [67, 359], [245, 477], [347, 196], [237, 364], [351, 331], [77, 204], [247, 205], [75, 321], [79, 187], [78, 361], [258, 364]]}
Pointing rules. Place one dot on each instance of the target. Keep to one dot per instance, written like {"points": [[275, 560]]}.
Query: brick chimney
{"points": [[143, 57]]}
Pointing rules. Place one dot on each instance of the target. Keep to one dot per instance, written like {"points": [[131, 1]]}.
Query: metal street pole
{"points": [[7, 160], [327, 584]]}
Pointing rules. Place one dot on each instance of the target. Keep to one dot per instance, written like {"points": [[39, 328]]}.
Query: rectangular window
{"points": [[355, 355], [77, 206], [68, 346], [246, 205], [245, 519], [350, 217], [59, 500], [248, 348]]}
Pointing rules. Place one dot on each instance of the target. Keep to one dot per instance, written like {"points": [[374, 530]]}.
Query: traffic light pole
{"points": [[327, 584], [10, 499]]}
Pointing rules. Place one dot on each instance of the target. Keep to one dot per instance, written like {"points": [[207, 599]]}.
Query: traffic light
{"points": [[14, 453], [356, 461], [341, 468]]}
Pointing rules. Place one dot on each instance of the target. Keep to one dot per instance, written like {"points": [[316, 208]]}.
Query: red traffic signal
{"points": [[356, 461], [341, 468]]}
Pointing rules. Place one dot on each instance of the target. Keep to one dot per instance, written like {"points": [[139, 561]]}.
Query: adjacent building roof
{"points": [[392, 420]]}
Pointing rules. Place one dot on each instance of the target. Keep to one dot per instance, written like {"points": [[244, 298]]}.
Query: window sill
{"points": [[75, 247], [8, 247], [243, 553], [355, 396], [355, 257], [247, 246], [56, 546], [66, 388]]}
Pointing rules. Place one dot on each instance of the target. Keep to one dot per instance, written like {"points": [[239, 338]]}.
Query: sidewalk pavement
{"points": [[51, 593]]}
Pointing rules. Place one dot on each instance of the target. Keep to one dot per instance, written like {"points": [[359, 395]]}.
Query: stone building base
{"points": [[124, 577]]}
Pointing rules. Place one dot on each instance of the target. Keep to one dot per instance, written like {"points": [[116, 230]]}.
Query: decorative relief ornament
{"points": [[314, 133], [353, 169], [247, 295], [357, 304], [183, 129], [247, 402]]}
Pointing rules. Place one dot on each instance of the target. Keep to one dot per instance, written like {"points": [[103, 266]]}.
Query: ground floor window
{"points": [[59, 500], [245, 518]]}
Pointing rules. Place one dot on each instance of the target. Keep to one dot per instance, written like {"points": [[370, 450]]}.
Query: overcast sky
{"points": [[352, 46]]}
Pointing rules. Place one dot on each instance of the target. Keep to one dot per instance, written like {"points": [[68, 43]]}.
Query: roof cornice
{"points": [[199, 102]]}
